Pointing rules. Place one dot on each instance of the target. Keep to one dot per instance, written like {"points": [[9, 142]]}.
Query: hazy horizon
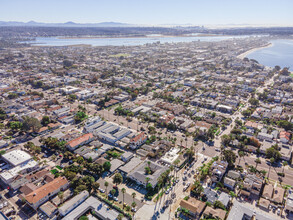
{"points": [[159, 12]]}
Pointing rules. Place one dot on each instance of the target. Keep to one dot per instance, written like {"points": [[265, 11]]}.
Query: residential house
{"points": [[43, 193], [218, 169], [82, 140], [253, 184], [194, 207], [285, 137], [138, 140], [127, 156], [71, 204], [210, 212]]}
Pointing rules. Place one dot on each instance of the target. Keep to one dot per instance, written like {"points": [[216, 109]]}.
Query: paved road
{"points": [[148, 210], [287, 180]]}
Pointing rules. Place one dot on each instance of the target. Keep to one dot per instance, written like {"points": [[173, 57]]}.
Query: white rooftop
{"points": [[9, 174], [16, 157]]}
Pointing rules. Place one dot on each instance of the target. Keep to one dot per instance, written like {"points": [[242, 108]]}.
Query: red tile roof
{"points": [[79, 140]]}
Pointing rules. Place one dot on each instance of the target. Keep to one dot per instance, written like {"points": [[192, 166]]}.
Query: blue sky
{"points": [[200, 12]]}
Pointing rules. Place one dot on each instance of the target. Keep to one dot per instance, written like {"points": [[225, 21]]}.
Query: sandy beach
{"points": [[243, 55]]}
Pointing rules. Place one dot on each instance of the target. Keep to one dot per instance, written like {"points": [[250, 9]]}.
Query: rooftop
{"points": [[16, 157]]}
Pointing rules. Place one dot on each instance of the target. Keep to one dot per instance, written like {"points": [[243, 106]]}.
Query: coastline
{"points": [[141, 36], [243, 55]]}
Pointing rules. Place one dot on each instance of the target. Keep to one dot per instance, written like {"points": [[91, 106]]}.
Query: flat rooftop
{"points": [[16, 157]]}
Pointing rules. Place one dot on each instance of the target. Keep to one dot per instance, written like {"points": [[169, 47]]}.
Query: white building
{"points": [[26, 167], [68, 90], [85, 94], [171, 156], [16, 157], [71, 204]]}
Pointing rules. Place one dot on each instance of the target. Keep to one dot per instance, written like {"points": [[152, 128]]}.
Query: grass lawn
{"points": [[54, 171], [120, 55], [114, 153], [58, 167], [291, 74]]}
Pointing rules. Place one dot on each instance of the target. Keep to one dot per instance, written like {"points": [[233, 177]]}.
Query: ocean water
{"points": [[280, 53], [56, 41]]}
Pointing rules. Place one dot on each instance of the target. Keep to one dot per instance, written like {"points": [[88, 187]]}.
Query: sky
{"points": [[151, 12]]}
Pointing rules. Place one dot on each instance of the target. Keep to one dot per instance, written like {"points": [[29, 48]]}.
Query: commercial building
{"points": [[26, 167], [16, 157]]}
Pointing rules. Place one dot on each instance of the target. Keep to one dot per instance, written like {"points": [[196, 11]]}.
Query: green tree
{"points": [[219, 204], [113, 191], [69, 175], [257, 161], [3, 114], [15, 125], [107, 166], [123, 190], [253, 101], [31, 123], [285, 124], [117, 179], [96, 186], [61, 196], [273, 152], [229, 156], [240, 154], [197, 188], [106, 184], [45, 120], [285, 163], [67, 63], [133, 196], [80, 116], [120, 216]]}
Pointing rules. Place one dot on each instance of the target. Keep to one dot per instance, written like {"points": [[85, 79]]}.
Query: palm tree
{"points": [[149, 163], [133, 195], [123, 190], [285, 163], [147, 180], [257, 161], [272, 160], [106, 184], [240, 154], [61, 196], [133, 204]]}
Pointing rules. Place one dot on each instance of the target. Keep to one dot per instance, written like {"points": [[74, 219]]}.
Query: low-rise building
{"points": [[92, 203], [138, 140], [194, 207], [253, 184], [9, 175], [210, 212], [127, 156], [82, 140], [16, 157], [43, 193], [139, 174], [71, 204], [218, 170]]}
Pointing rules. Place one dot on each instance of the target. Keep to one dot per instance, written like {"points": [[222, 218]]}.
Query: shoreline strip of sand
{"points": [[243, 55]]}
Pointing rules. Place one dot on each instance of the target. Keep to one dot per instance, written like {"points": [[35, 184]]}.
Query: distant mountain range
{"points": [[67, 24]]}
